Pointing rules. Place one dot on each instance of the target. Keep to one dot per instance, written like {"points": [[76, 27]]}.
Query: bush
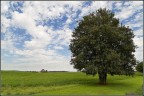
{"points": [[139, 67], [43, 70]]}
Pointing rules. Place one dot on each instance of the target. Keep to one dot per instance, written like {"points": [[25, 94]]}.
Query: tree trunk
{"points": [[102, 78]]}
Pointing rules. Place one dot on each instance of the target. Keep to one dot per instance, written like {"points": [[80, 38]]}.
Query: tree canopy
{"points": [[102, 45]]}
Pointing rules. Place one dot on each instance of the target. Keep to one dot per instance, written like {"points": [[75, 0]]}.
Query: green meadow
{"points": [[66, 83]]}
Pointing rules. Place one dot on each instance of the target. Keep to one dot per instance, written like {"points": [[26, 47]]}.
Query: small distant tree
{"points": [[43, 70], [139, 67]]}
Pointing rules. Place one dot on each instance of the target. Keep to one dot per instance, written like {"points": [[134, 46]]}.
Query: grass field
{"points": [[34, 83]]}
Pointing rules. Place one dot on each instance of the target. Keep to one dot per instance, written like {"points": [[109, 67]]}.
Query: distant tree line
{"points": [[43, 70]]}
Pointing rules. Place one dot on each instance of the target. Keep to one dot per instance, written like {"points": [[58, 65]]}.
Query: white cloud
{"points": [[94, 6], [39, 59], [125, 13], [5, 23], [50, 9], [22, 20], [137, 3], [134, 24], [64, 66], [40, 38], [68, 21], [139, 53], [138, 32], [128, 11], [63, 36], [138, 17], [7, 45], [100, 4], [4, 6], [139, 50], [138, 41], [27, 19], [118, 4]]}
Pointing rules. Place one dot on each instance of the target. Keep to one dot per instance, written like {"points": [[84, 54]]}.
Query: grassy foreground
{"points": [[34, 83]]}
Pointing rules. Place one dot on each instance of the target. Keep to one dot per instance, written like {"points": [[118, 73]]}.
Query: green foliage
{"points": [[66, 83], [139, 67], [102, 45]]}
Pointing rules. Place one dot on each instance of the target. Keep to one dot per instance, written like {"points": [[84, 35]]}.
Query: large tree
{"points": [[102, 45]]}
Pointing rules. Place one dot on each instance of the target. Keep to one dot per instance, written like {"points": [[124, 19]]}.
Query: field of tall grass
{"points": [[36, 83]]}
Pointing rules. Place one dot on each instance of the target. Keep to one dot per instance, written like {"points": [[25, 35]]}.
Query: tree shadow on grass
{"points": [[94, 82]]}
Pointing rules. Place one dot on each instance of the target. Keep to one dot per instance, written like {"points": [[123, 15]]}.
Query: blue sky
{"points": [[36, 35]]}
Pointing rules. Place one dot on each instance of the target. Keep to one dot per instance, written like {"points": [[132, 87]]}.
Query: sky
{"points": [[36, 35]]}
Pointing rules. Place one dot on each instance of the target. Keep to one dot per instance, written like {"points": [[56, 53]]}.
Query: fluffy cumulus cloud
{"points": [[36, 35]]}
